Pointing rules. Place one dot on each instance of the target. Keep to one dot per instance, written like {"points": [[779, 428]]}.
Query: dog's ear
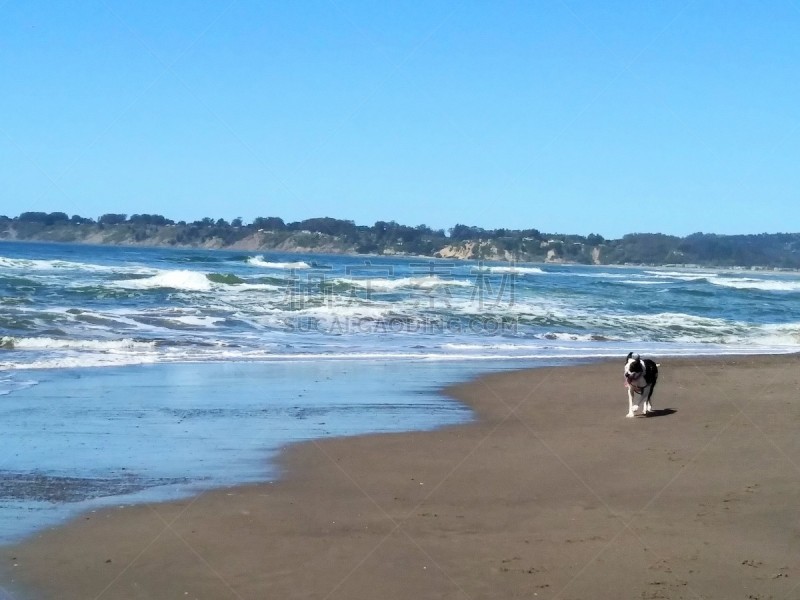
{"points": [[630, 355]]}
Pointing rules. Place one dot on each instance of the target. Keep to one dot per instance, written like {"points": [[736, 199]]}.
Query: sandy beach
{"points": [[551, 493]]}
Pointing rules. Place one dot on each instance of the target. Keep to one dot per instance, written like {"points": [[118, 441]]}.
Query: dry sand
{"points": [[552, 493]]}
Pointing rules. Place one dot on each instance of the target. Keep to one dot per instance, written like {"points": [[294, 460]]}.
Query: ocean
{"points": [[130, 374]]}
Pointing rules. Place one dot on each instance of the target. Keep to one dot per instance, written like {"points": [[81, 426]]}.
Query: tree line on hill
{"points": [[326, 234]]}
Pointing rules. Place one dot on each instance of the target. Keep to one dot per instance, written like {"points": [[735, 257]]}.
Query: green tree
{"points": [[112, 219]]}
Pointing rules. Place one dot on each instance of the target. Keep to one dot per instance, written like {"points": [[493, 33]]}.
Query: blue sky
{"points": [[565, 116]]}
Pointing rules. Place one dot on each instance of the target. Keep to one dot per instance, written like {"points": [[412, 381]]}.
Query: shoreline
{"points": [[550, 491]]}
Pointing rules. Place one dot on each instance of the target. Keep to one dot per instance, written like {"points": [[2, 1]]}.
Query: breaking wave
{"points": [[517, 270], [767, 285], [175, 280], [259, 261], [30, 264], [117, 307], [683, 275], [46, 343], [388, 285]]}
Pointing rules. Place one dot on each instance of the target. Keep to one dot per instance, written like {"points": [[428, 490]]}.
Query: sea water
{"points": [[145, 374], [80, 439]]}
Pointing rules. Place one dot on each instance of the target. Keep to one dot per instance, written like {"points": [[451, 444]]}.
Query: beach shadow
{"points": [[661, 412]]}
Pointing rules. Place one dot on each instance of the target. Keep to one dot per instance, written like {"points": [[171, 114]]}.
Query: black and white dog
{"points": [[641, 375]]}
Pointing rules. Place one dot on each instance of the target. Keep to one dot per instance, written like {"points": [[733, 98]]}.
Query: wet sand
{"points": [[551, 493]]}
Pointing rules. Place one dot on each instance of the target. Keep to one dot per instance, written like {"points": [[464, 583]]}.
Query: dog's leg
{"points": [[646, 401], [631, 406], [648, 405]]}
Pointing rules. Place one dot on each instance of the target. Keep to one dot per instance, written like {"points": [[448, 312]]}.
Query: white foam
{"points": [[494, 306], [177, 280], [682, 275], [82, 361], [517, 270], [598, 275], [124, 317], [247, 287], [692, 329], [769, 285], [667, 325], [466, 346], [47, 343], [29, 264], [259, 261], [575, 337], [776, 334], [483, 354], [387, 285], [54, 353], [198, 321], [536, 350], [344, 312]]}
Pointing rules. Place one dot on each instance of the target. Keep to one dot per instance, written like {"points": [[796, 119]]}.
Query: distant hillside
{"points": [[328, 235]]}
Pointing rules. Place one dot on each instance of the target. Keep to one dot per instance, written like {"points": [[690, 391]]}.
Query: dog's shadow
{"points": [[661, 412]]}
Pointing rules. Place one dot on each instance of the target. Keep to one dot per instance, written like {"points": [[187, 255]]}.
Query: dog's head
{"points": [[634, 368]]}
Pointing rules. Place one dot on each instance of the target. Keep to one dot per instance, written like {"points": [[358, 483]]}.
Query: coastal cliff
{"points": [[335, 236]]}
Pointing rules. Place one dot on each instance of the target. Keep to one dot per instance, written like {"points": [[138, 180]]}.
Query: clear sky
{"points": [[561, 115]]}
